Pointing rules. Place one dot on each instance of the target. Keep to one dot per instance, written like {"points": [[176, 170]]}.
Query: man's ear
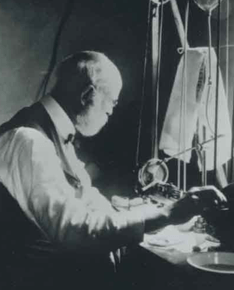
{"points": [[87, 95]]}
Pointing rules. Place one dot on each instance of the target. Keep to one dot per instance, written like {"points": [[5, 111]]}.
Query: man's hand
{"points": [[209, 197], [197, 200]]}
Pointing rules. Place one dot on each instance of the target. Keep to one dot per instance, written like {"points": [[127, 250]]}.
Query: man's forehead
{"points": [[111, 87], [112, 77], [114, 91]]}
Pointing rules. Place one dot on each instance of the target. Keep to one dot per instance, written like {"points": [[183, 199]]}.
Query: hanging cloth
{"points": [[200, 94]]}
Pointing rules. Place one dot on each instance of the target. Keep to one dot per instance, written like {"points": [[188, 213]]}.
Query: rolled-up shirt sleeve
{"points": [[32, 172]]}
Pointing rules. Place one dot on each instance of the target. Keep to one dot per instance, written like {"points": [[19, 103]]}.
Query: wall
{"points": [[27, 32]]}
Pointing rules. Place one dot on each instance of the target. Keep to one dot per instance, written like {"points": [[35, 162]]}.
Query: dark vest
{"points": [[25, 251], [17, 232]]}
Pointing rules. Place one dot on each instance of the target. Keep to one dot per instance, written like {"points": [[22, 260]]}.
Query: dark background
{"points": [[117, 28]]}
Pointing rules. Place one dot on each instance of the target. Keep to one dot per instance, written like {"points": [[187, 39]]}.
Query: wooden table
{"points": [[149, 268]]}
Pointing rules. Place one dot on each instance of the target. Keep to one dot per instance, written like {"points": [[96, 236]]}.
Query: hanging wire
{"points": [[217, 91], [232, 141], [227, 50], [67, 12], [230, 173], [227, 69], [179, 24], [144, 84], [210, 83], [185, 96], [204, 172], [183, 115]]}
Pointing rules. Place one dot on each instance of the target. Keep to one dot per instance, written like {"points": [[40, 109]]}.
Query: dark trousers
{"points": [[58, 272]]}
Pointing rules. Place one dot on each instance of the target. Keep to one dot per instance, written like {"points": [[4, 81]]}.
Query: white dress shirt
{"points": [[75, 219]]}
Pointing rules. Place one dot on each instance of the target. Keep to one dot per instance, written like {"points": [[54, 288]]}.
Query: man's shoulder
{"points": [[23, 141], [24, 136], [28, 133]]}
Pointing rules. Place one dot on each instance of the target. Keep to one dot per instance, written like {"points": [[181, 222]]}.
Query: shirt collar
{"points": [[59, 117]]}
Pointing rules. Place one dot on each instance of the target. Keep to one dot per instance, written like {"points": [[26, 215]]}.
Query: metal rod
{"points": [[232, 143], [217, 92], [185, 80], [143, 85], [156, 54], [191, 148]]}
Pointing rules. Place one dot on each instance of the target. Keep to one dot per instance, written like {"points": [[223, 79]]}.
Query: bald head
{"points": [[83, 79], [85, 68]]}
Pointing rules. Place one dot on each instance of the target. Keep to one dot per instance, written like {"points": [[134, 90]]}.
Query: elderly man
{"points": [[56, 227]]}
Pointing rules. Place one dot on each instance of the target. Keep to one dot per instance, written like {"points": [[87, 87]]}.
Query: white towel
{"points": [[200, 109]]}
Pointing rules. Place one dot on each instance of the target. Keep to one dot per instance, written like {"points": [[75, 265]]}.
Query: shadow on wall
{"points": [[27, 31], [25, 41]]}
